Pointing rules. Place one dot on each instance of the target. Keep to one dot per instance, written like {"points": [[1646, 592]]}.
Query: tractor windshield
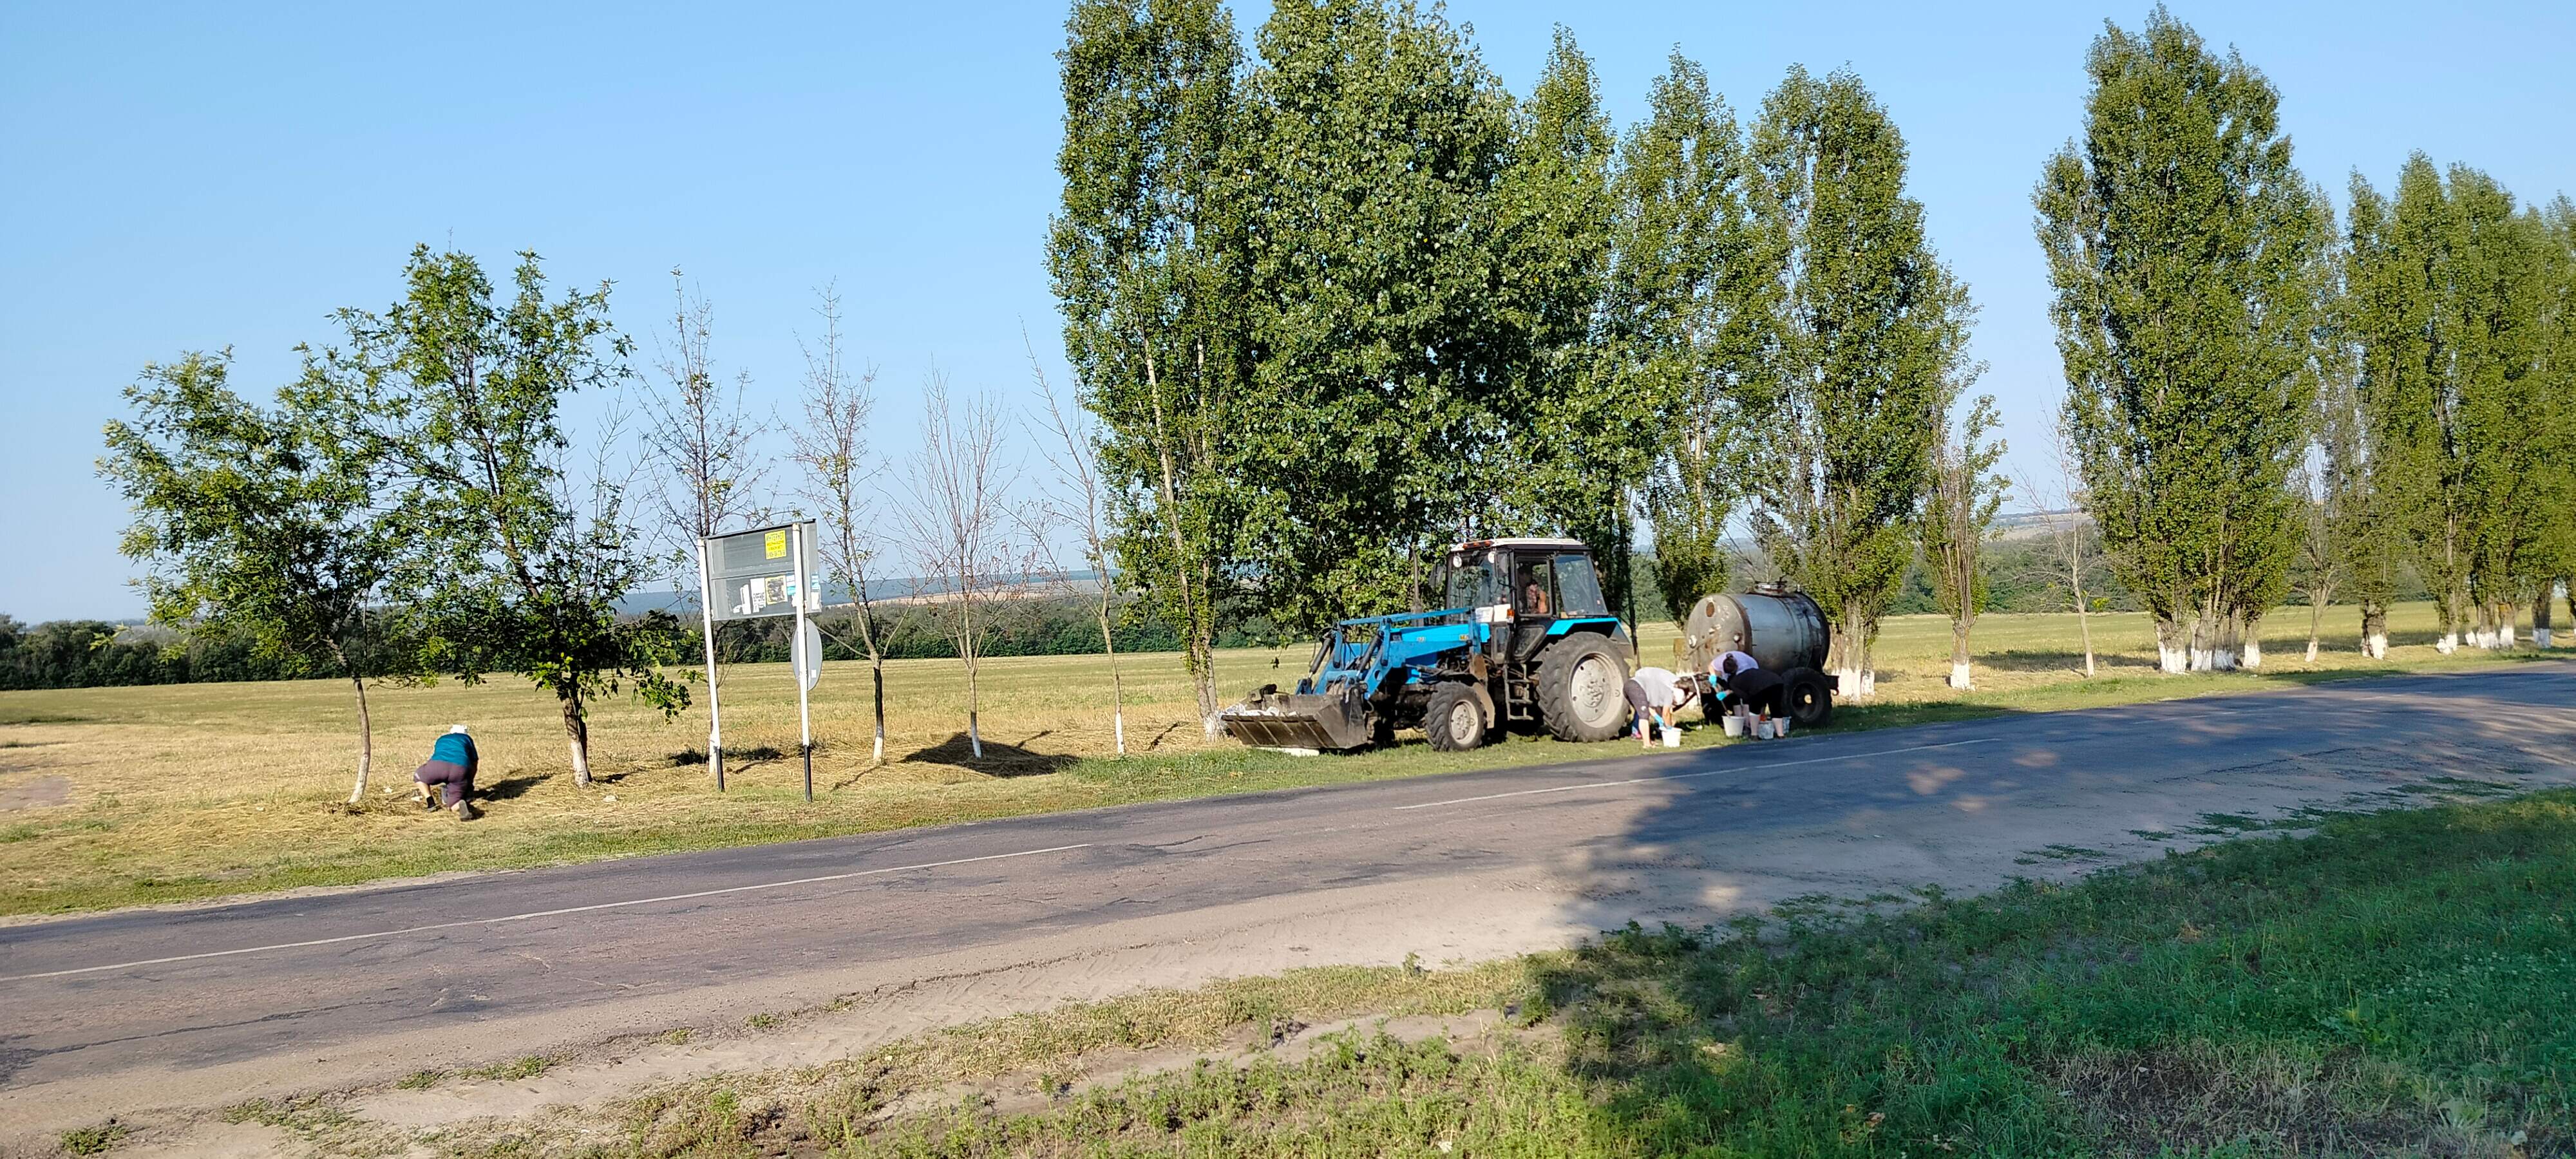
{"points": [[1578, 587], [1465, 582]]}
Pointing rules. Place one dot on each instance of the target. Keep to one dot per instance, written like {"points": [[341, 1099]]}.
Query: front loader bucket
{"points": [[1292, 720]]}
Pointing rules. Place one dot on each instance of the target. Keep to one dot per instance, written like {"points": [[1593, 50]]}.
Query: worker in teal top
{"points": [[452, 764]]}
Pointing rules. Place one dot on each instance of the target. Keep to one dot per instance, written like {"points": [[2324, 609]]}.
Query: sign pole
{"points": [[804, 712], [707, 620]]}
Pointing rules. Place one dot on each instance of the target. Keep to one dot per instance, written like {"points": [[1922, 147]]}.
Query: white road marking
{"points": [[547, 913], [1694, 776]]}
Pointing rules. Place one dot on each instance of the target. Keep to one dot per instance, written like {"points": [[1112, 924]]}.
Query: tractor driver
{"points": [[1533, 593]]}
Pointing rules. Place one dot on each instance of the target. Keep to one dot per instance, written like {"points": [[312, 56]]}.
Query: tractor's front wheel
{"points": [[1581, 682], [1453, 719]]}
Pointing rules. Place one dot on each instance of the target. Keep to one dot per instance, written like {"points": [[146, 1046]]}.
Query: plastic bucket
{"points": [[1779, 726], [1733, 723], [1672, 738]]}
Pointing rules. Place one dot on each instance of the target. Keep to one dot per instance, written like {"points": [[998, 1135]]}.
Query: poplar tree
{"points": [[1387, 357], [1872, 332], [1688, 320], [1573, 438], [1146, 255], [2447, 289], [2555, 560], [2183, 249]]}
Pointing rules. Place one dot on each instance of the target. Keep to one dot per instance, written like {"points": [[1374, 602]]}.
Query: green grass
{"points": [[94, 1140], [2397, 983], [125, 796]]}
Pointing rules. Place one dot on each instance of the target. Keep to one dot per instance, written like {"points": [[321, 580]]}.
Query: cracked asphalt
{"points": [[202, 1007]]}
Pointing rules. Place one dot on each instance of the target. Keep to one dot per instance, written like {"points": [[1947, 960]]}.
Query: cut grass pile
{"points": [[120, 796], [2398, 983]]}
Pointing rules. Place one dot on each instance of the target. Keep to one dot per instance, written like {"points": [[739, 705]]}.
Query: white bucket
{"points": [[1766, 729], [1733, 722], [1672, 738]]}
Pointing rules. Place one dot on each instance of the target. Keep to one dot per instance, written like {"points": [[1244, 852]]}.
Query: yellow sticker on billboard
{"points": [[777, 544]]}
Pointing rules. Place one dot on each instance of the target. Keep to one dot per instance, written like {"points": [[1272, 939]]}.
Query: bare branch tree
{"points": [[702, 435], [2070, 532], [1079, 500], [704, 442], [832, 449], [955, 517]]}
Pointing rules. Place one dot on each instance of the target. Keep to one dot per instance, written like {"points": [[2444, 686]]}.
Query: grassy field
{"points": [[2400, 983], [131, 795]]}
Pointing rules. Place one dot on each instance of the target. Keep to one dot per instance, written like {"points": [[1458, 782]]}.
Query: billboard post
{"points": [[766, 571], [810, 664]]}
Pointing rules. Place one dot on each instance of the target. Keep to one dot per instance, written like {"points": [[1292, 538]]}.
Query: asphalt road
{"points": [[170, 1007]]}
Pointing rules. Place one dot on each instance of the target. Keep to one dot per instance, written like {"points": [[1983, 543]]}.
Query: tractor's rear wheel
{"points": [[1453, 719], [1810, 698], [1581, 688]]}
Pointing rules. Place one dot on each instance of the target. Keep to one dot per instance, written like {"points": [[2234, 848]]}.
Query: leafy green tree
{"points": [[1389, 344], [261, 525], [1688, 320], [1872, 332], [515, 564], [1572, 436], [2183, 248], [2554, 559], [2447, 298], [1147, 258], [1958, 518]]}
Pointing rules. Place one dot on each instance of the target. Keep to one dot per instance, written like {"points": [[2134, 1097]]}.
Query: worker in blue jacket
{"points": [[451, 767]]}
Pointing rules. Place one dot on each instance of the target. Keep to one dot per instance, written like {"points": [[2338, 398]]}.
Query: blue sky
{"points": [[186, 177]]}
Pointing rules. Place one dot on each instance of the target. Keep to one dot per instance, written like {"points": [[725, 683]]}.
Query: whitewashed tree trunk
{"points": [[2449, 643], [2252, 657], [2540, 639], [2312, 649], [2376, 645], [2171, 656], [1959, 677]]}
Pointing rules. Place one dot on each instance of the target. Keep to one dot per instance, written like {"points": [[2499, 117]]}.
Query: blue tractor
{"points": [[1524, 640]]}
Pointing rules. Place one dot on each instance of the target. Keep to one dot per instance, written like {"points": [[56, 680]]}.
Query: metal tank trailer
{"points": [[1781, 628]]}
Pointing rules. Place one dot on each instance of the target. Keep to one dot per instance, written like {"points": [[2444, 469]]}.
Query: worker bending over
{"points": [[451, 766], [1655, 694], [1752, 688]]}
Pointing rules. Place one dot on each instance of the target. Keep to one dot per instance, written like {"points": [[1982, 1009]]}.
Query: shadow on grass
{"points": [[511, 788], [999, 759], [2178, 1007]]}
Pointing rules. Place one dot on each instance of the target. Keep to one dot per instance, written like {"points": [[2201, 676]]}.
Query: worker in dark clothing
{"points": [[452, 765], [1759, 690]]}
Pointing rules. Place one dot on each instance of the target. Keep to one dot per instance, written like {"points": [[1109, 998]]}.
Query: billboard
{"points": [[766, 571]]}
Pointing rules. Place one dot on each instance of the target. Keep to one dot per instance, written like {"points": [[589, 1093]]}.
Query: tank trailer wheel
{"points": [[1581, 683], [1811, 699], [1453, 719]]}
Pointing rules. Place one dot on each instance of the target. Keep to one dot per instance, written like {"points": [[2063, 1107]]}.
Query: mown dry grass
{"points": [[119, 796]]}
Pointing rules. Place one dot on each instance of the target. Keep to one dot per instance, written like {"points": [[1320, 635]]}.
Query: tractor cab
{"points": [[1530, 590]]}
